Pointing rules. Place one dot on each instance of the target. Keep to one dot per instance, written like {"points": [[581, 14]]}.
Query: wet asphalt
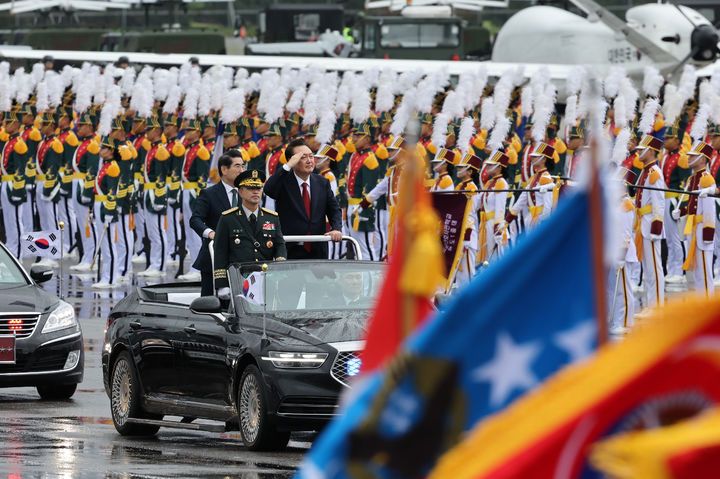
{"points": [[76, 438]]}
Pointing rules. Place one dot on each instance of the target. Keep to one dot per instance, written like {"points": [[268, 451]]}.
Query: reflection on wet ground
{"points": [[76, 438]]}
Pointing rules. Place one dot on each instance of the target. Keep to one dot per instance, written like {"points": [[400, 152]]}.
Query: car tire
{"points": [[257, 430], [61, 392], [125, 398]]}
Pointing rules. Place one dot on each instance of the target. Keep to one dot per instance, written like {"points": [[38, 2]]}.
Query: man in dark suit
{"points": [[305, 202], [207, 210]]}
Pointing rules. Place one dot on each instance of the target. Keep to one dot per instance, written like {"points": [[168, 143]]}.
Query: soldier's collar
{"points": [[653, 162]]}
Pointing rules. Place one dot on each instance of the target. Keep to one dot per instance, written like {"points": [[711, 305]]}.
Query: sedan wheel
{"points": [[258, 433], [125, 399]]}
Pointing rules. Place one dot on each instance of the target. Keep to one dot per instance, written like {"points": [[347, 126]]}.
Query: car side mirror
{"points": [[206, 305], [41, 274]]}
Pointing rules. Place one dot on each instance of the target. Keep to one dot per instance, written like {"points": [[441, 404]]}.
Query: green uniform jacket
{"points": [[236, 242], [362, 177], [14, 158], [70, 143], [88, 163], [51, 160]]}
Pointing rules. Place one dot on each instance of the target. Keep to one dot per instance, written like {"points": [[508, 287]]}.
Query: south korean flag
{"points": [[253, 288], [41, 243]]}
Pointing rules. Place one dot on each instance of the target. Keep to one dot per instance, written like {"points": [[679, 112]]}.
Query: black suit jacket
{"points": [[283, 187], [207, 211]]}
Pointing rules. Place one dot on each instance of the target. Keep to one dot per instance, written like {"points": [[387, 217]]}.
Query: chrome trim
{"points": [[347, 346], [29, 315], [63, 338], [40, 373]]}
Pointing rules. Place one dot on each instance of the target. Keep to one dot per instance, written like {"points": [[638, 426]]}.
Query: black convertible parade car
{"points": [[41, 344], [273, 360]]}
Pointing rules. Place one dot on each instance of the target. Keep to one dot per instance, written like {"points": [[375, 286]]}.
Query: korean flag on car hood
{"points": [[253, 288]]}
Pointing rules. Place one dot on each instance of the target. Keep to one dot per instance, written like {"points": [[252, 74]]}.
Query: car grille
{"points": [[22, 324], [346, 365], [308, 406], [41, 360]]}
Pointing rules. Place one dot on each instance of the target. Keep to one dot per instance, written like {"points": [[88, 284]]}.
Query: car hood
{"points": [[26, 298], [321, 327]]}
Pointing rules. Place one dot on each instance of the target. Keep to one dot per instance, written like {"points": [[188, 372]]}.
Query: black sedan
{"points": [[41, 343], [275, 360]]}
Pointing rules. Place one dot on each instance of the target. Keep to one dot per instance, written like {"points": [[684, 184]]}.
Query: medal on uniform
{"points": [[237, 240], [269, 244]]}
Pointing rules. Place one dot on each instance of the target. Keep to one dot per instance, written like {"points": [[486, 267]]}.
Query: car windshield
{"points": [[10, 274], [330, 299], [419, 35]]}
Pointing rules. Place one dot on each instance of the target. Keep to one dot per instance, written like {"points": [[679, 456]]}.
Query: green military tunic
{"points": [[237, 242]]}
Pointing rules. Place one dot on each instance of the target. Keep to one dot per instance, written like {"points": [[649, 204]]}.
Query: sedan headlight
{"points": [[289, 360], [61, 317]]}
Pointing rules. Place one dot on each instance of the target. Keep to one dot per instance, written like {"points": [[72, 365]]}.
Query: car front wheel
{"points": [[125, 398], [258, 432]]}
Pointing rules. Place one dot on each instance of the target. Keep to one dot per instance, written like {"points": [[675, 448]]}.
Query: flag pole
{"points": [[597, 235], [61, 225]]}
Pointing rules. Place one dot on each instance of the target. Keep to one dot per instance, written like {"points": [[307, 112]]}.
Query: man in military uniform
{"points": [[246, 233], [14, 195]]}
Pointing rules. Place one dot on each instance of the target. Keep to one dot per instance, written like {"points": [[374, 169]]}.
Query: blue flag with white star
{"points": [[514, 325]]}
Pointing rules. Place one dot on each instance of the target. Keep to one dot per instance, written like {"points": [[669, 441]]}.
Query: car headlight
{"points": [[289, 360], [61, 317]]}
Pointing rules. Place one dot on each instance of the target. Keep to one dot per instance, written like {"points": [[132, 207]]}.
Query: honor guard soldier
{"points": [[492, 235], [48, 163], [361, 179], [244, 131], [246, 233], [171, 125], [155, 197], [324, 157], [209, 129], [125, 193], [675, 176], [32, 138], [700, 218], [382, 216], [142, 145], [275, 154], [540, 202], [619, 277], [649, 214], [14, 195], [714, 134], [195, 171], [468, 176], [66, 205], [106, 213], [443, 165], [85, 163]]}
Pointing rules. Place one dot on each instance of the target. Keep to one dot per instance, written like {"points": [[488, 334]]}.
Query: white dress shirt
{"points": [[248, 212], [300, 181]]}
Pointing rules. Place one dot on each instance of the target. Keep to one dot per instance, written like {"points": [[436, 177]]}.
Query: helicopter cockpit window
{"points": [[419, 35]]}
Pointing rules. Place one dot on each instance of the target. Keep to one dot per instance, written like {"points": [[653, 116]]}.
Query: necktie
{"points": [[253, 220], [234, 198], [306, 202]]}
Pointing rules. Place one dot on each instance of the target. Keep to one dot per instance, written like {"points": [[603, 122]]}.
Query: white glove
{"points": [[655, 237], [499, 240], [224, 293], [675, 214], [621, 264], [546, 188], [704, 192]]}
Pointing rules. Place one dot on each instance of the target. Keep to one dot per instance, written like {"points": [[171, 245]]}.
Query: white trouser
{"points": [[155, 228], [382, 222], [716, 249], [493, 249], [124, 245], [47, 210], [653, 274], [174, 231], [13, 219], [466, 268], [703, 272], [66, 214], [623, 303], [88, 232], [634, 271], [367, 240], [29, 211], [674, 243], [140, 225], [108, 271], [193, 242]]}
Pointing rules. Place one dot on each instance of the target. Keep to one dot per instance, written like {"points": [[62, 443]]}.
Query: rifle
{"points": [[672, 190]]}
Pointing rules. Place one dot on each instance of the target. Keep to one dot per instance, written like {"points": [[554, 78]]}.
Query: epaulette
{"points": [[512, 154], [253, 150], [274, 213], [446, 182], [628, 205], [232, 210], [706, 180], [371, 162], [545, 180], [654, 176], [57, 146], [340, 147], [381, 152], [35, 135], [431, 148], [146, 144], [71, 139], [203, 153], [178, 149], [20, 147], [560, 146], [93, 147], [501, 184]]}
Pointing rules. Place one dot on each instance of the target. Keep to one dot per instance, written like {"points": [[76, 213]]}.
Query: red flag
{"points": [[415, 271]]}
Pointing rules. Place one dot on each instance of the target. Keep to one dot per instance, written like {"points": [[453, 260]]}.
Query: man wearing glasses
{"points": [[304, 201]]}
